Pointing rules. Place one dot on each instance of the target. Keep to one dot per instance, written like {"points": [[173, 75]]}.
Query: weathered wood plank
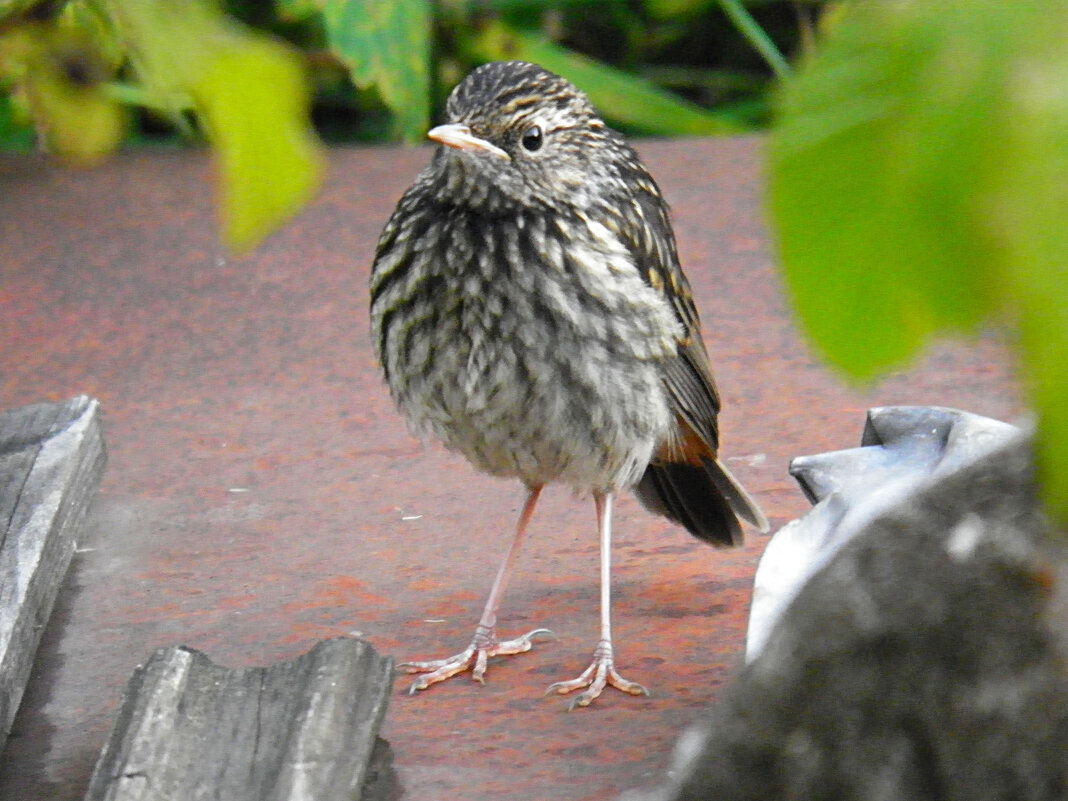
{"points": [[303, 730], [51, 460]]}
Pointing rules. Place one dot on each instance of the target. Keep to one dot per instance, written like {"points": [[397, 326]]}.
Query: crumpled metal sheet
{"points": [[902, 449]]}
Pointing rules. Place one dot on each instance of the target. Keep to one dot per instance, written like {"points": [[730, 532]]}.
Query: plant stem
{"points": [[745, 23]]}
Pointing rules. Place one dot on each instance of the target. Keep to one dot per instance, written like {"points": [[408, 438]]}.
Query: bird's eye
{"points": [[532, 138]]}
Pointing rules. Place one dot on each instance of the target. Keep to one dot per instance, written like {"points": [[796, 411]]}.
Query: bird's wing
{"points": [[645, 228]]}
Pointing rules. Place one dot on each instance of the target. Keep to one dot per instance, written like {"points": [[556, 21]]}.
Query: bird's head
{"points": [[518, 134]]}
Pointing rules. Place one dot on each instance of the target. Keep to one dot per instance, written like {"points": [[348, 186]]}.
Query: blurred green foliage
{"points": [[919, 184], [74, 70], [87, 75], [379, 69]]}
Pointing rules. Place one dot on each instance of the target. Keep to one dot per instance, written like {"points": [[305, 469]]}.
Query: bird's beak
{"points": [[460, 137]]}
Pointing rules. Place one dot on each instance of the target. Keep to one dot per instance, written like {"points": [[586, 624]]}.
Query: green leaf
{"points": [[89, 18], [254, 101], [879, 165], [621, 98], [16, 135], [249, 92], [79, 124], [919, 183], [386, 45], [1027, 210], [58, 73]]}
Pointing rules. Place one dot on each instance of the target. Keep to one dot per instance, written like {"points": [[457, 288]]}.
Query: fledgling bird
{"points": [[528, 308]]}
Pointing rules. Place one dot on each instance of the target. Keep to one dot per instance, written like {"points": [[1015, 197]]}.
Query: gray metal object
{"points": [[903, 448]]}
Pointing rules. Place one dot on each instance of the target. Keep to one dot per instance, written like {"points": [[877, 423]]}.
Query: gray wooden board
{"points": [[51, 460], [303, 730]]}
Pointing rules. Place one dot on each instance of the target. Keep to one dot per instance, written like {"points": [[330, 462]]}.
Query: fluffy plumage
{"points": [[528, 309]]}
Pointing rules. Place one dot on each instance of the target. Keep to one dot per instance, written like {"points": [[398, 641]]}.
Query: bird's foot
{"points": [[595, 678], [473, 658]]}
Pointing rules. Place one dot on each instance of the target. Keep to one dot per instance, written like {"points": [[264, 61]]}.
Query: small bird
{"points": [[529, 310]]}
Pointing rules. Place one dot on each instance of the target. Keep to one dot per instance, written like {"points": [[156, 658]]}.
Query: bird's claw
{"points": [[474, 658], [600, 674]]}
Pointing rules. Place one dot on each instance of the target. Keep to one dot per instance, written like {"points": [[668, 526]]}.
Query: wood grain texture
{"points": [[51, 460], [303, 730]]}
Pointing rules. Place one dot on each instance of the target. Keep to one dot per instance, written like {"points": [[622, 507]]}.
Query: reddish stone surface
{"points": [[262, 493]]}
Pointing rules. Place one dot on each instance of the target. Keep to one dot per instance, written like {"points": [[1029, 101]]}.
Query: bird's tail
{"points": [[704, 498]]}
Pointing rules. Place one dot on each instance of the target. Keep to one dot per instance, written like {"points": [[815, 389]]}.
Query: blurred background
{"points": [[380, 71]]}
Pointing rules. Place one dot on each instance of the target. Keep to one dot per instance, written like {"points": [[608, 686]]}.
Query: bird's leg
{"points": [[601, 671], [485, 643]]}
